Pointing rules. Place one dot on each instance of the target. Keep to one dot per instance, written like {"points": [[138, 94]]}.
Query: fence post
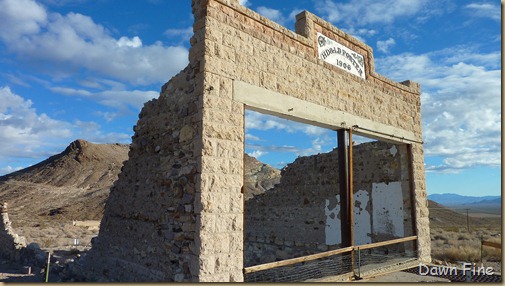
{"points": [[359, 262], [47, 268]]}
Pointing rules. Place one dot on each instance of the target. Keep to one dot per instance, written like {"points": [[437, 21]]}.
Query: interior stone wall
{"points": [[293, 219]]}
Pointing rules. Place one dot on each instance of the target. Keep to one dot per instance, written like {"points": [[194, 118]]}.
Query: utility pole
{"points": [[467, 221]]}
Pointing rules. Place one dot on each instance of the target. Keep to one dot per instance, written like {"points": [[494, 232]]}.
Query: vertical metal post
{"points": [[243, 191], [359, 262], [47, 267], [343, 170], [351, 190], [412, 193], [345, 197], [351, 199]]}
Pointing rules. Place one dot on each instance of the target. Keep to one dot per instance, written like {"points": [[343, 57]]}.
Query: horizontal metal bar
{"points": [[357, 128]]}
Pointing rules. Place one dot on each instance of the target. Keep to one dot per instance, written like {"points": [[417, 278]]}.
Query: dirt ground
{"points": [[403, 277], [10, 272]]}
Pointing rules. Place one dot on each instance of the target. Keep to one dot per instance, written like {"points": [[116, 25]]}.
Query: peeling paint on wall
{"points": [[387, 215], [393, 150], [362, 223], [332, 213]]}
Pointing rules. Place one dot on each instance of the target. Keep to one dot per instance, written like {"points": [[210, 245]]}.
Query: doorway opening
{"points": [[300, 221]]}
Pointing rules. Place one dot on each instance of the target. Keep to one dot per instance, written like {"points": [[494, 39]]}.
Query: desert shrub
{"points": [[48, 242], [464, 246], [439, 237], [462, 253], [463, 237], [454, 229]]}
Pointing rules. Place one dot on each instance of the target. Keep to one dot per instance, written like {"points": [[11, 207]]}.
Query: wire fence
{"points": [[304, 271], [381, 259], [343, 266]]}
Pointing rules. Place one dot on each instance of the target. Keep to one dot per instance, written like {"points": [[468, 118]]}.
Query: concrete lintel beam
{"points": [[274, 103]]}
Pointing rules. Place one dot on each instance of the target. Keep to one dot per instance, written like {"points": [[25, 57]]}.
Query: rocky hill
{"points": [[259, 177], [72, 185], [444, 217]]}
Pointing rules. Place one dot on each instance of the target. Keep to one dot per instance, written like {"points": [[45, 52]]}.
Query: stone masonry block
{"points": [[224, 132], [215, 165], [216, 182], [214, 243], [229, 149], [223, 117]]}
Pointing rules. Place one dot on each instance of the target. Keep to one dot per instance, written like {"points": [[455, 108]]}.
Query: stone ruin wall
{"points": [[10, 243], [148, 230], [176, 211], [292, 219]]}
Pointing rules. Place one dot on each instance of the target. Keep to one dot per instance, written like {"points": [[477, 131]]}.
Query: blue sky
{"points": [[83, 69]]}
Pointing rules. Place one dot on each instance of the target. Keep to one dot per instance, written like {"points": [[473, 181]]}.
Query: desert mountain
{"points": [[457, 200], [444, 217], [72, 185], [259, 177]]}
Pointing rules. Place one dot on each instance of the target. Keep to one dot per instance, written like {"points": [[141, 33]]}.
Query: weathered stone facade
{"points": [[176, 211]]}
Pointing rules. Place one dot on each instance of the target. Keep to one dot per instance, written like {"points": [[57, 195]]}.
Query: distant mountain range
{"points": [[459, 200]]}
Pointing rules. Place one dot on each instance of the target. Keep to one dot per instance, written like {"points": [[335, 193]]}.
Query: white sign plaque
{"points": [[340, 56]]}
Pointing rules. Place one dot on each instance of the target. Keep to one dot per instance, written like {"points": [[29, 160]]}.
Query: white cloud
{"points": [[118, 99], [384, 46], [92, 132], [20, 17], [25, 133], [485, 10], [134, 42], [66, 43], [460, 105], [272, 14], [292, 15], [368, 11], [257, 153], [244, 2], [316, 148], [259, 121], [8, 169], [251, 137], [274, 148], [184, 34], [278, 16]]}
